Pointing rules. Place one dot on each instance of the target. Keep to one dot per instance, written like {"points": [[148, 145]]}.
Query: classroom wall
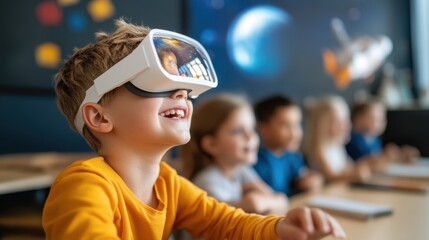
{"points": [[33, 124], [29, 120]]}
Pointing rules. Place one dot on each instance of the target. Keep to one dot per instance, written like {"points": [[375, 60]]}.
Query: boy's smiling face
{"points": [[139, 121], [283, 130]]}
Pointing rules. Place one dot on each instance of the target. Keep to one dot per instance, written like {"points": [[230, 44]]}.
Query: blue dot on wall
{"points": [[209, 37], [259, 42], [216, 4], [77, 21]]}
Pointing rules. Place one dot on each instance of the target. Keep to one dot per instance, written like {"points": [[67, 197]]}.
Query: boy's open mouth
{"points": [[173, 113]]}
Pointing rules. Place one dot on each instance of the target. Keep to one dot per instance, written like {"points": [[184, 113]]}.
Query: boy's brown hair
{"points": [[266, 108], [361, 108], [89, 62]]}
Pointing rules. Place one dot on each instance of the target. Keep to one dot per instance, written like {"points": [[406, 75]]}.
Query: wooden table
{"points": [[410, 219], [25, 172]]}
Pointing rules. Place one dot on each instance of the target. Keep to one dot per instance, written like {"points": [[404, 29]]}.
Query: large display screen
{"points": [[278, 46]]}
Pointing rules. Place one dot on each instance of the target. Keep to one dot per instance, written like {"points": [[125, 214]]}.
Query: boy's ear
{"points": [[208, 144], [96, 119]]}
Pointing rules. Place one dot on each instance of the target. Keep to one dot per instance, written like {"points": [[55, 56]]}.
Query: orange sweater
{"points": [[89, 200]]}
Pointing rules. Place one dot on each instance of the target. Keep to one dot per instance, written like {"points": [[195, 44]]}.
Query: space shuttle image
{"points": [[356, 59]]}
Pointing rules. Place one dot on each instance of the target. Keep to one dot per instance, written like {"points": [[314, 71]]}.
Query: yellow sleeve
{"points": [[80, 206], [203, 216]]}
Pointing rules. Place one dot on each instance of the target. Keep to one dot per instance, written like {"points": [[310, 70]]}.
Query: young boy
{"points": [[369, 122], [127, 192], [279, 164]]}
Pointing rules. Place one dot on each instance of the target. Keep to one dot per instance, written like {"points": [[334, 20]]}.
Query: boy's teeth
{"points": [[178, 112]]}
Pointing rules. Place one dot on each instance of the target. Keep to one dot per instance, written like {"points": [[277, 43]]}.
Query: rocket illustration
{"points": [[356, 59]]}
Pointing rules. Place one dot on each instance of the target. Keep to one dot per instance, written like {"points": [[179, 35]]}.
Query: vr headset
{"points": [[163, 63]]}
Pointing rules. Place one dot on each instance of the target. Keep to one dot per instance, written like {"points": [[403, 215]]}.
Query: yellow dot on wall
{"points": [[66, 3], [48, 55], [101, 10]]}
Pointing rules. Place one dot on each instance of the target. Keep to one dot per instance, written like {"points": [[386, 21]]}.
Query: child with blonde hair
{"points": [[327, 130], [223, 146], [115, 95]]}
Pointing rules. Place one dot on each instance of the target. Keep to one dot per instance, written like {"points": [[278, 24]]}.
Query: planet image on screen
{"points": [[259, 42]]}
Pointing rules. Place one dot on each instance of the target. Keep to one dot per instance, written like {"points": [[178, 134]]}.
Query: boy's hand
{"points": [[362, 171], [392, 152], [264, 204], [310, 181], [307, 224], [254, 202], [410, 154]]}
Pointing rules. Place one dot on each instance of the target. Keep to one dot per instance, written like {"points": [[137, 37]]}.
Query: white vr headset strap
{"points": [[116, 76], [123, 71]]}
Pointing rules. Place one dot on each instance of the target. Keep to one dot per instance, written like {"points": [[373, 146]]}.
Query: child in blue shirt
{"points": [[279, 163], [369, 122]]}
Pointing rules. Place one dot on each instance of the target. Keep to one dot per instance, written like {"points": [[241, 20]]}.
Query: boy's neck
{"points": [[363, 132], [138, 170], [277, 151]]}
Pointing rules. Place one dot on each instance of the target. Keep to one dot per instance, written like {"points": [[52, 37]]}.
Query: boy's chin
{"points": [[291, 148], [250, 159], [182, 140], [185, 141]]}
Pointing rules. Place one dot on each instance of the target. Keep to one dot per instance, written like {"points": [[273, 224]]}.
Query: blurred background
{"points": [[258, 48]]}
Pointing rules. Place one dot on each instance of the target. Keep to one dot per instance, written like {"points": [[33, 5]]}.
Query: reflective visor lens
{"points": [[180, 58]]}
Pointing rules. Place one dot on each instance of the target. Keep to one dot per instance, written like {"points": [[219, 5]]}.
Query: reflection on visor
{"points": [[182, 59]]}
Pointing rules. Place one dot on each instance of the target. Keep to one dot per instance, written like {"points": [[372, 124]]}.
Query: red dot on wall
{"points": [[49, 14]]}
